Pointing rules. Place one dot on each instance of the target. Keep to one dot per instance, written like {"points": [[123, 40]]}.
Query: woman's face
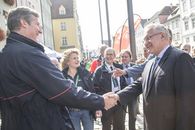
{"points": [[74, 61]]}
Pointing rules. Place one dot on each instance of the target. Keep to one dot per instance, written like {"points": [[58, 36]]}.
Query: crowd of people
{"points": [[42, 93]]}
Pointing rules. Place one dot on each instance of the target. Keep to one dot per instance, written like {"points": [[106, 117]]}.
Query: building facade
{"points": [[65, 25], [187, 10], [47, 23], [5, 6], [174, 23], [139, 34]]}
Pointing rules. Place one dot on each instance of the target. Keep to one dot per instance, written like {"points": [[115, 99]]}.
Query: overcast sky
{"points": [[89, 16]]}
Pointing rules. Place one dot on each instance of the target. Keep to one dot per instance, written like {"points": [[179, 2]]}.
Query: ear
{"points": [[23, 23], [162, 36]]}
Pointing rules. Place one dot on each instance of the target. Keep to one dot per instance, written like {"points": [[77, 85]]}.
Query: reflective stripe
{"points": [[60, 93], [17, 96]]}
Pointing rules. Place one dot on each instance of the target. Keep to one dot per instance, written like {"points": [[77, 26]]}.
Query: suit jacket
{"points": [[135, 71], [169, 96]]}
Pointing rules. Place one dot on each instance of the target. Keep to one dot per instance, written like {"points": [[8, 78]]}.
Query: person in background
{"points": [[83, 62], [71, 69], [97, 62], [187, 48], [33, 91], [132, 106], [167, 84], [104, 82], [170, 35], [145, 54], [193, 54], [2, 34], [55, 62]]}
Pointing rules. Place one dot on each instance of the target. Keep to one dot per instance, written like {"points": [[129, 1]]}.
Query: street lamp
{"points": [[108, 24], [100, 16], [131, 29]]}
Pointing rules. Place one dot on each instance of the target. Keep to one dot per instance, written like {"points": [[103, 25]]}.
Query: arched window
{"points": [[62, 10]]}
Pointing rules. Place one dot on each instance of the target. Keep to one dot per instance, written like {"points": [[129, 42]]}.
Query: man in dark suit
{"points": [[167, 84], [104, 82], [125, 56]]}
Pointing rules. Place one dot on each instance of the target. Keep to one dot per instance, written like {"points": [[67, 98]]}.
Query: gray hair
{"points": [[103, 48], [159, 28], [15, 15], [109, 49]]}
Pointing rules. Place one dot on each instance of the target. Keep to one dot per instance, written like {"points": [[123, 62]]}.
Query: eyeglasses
{"points": [[124, 56], [185, 49], [147, 38]]}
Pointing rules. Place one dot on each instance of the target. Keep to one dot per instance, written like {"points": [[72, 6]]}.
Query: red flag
{"points": [[121, 38]]}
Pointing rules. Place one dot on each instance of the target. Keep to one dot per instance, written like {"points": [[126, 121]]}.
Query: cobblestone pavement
{"points": [[139, 121]]}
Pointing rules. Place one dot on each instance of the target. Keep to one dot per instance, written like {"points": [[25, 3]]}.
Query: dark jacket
{"points": [[169, 96], [102, 85], [86, 84], [85, 77], [33, 90], [102, 79]]}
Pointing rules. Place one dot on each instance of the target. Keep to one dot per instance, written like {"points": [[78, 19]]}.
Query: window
{"points": [[192, 3], [5, 14], [64, 41], [168, 25], [186, 25], [174, 37], [62, 10], [184, 6], [29, 3], [63, 26], [177, 23], [187, 40], [193, 23], [178, 36], [173, 24]]}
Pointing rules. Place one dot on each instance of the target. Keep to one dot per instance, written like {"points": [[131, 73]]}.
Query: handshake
{"points": [[110, 100]]}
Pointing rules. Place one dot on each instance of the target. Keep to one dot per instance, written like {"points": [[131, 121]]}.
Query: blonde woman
{"points": [[70, 65]]}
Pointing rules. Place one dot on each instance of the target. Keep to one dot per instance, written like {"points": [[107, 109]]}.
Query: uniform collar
{"points": [[21, 39]]}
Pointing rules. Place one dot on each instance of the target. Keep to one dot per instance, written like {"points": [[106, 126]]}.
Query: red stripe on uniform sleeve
{"points": [[51, 98]]}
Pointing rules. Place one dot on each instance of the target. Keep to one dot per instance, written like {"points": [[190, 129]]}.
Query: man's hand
{"points": [[98, 114], [119, 72], [115, 96], [109, 100]]}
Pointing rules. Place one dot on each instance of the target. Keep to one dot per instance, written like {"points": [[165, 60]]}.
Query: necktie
{"points": [[153, 68], [114, 80], [127, 66], [154, 65], [111, 68], [151, 75]]}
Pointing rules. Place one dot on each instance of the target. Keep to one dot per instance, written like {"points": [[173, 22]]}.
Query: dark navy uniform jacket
{"points": [[33, 91]]}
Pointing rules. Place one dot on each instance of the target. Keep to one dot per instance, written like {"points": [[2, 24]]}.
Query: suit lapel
{"points": [[162, 61], [151, 79], [147, 78]]}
